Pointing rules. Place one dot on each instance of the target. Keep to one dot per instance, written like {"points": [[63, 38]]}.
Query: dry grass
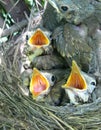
{"points": [[19, 112]]}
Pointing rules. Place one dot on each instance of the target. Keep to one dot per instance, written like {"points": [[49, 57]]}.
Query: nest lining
{"points": [[21, 112]]}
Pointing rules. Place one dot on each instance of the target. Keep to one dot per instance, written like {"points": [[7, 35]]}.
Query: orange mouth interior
{"points": [[38, 83], [76, 79], [38, 39]]}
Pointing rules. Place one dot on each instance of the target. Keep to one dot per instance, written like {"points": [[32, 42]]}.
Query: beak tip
{"points": [[63, 86]]}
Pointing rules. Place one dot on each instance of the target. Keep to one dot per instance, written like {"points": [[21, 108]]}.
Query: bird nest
{"points": [[20, 112]]}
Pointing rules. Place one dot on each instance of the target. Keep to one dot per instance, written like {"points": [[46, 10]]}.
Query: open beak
{"points": [[38, 39], [76, 79], [38, 84]]}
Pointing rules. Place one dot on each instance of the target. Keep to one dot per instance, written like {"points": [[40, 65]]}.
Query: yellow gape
{"points": [[38, 84], [76, 79], [38, 39]]}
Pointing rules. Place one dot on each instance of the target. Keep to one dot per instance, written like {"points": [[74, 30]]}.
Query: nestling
{"points": [[40, 84], [79, 85]]}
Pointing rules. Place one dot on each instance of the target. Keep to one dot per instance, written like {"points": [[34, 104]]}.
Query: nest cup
{"points": [[21, 112]]}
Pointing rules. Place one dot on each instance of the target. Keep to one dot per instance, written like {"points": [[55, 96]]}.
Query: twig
{"points": [[8, 13], [2, 1], [54, 116], [58, 119], [16, 27], [14, 6]]}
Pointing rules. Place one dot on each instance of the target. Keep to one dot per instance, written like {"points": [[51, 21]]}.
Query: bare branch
{"points": [[16, 27]]}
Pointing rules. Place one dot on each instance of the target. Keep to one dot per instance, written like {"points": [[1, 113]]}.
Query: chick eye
{"points": [[50, 36], [53, 78], [25, 66], [64, 8], [26, 37], [93, 83]]}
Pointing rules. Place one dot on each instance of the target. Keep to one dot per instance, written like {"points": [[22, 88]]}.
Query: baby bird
{"points": [[38, 43], [41, 84], [79, 85]]}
